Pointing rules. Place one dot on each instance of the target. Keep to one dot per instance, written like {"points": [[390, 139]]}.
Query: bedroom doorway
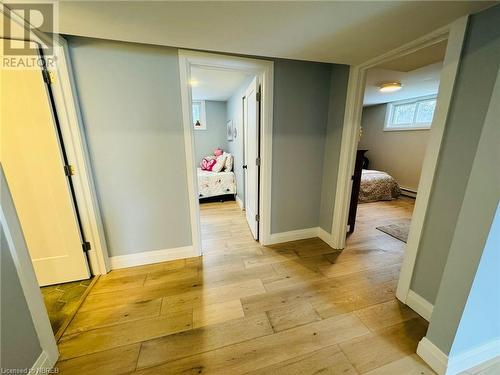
{"points": [[398, 108], [405, 112], [226, 99]]}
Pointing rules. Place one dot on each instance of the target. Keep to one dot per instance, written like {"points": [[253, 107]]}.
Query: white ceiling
{"points": [[211, 84], [419, 82], [333, 31]]}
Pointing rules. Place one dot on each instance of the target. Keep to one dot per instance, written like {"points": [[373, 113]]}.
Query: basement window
{"points": [[413, 114], [199, 116]]}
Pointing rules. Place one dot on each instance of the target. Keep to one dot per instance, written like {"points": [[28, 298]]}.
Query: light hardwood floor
{"points": [[294, 308]]}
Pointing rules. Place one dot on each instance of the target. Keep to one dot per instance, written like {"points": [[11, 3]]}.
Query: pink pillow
{"points": [[207, 164], [218, 152]]}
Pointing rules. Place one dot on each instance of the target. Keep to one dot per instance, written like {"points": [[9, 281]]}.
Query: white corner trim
{"points": [[240, 202], [453, 365], [293, 235], [433, 356], [42, 363], [326, 237], [154, 256], [420, 305], [473, 358]]}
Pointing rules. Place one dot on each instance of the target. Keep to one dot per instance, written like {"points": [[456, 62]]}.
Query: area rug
{"points": [[397, 230]]}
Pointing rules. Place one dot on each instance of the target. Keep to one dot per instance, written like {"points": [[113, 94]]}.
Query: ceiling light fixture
{"points": [[390, 86]]}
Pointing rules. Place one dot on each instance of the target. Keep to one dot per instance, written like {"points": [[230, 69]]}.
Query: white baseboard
{"points": [[420, 305], [43, 363], [325, 237], [293, 235], [154, 256], [239, 201], [433, 356], [474, 357]]}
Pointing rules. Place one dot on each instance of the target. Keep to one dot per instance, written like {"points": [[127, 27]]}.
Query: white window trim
{"points": [[203, 115], [390, 111]]}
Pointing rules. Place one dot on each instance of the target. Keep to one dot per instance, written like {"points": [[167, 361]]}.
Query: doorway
{"points": [[248, 138], [454, 35]]}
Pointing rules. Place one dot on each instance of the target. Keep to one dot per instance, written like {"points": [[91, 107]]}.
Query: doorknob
{"points": [[245, 166]]}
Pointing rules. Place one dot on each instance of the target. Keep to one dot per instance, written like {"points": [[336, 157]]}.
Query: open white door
{"points": [[251, 133], [31, 157]]}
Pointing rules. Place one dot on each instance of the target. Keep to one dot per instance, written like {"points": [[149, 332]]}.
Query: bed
{"points": [[377, 186], [212, 184]]}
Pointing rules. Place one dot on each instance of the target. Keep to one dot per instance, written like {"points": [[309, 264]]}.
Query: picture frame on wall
{"points": [[230, 130]]}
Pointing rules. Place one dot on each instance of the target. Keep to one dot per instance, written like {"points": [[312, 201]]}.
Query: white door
{"points": [[251, 134], [31, 157]]}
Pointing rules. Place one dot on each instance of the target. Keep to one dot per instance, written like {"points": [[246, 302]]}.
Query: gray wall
{"points": [[301, 99], [480, 323], [338, 95], [206, 141], [471, 99], [19, 347], [399, 153], [131, 106], [130, 100]]}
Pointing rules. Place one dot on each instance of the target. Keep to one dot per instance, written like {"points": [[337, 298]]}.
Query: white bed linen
{"points": [[211, 184]]}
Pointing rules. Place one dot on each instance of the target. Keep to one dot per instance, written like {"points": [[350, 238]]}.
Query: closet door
{"points": [[30, 154]]}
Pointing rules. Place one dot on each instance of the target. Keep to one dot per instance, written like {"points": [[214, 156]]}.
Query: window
{"points": [[199, 118], [411, 114]]}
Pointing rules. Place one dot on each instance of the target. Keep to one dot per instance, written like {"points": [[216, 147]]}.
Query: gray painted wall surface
{"points": [[480, 321], [131, 106], [471, 233], [301, 98], [471, 99], [338, 95], [19, 347], [206, 141], [399, 153]]}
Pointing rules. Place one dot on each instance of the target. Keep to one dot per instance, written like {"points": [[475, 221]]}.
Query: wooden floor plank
{"points": [[267, 350], [199, 340], [105, 338], [121, 360]]}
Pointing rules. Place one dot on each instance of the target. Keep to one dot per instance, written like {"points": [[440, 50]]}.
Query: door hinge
{"points": [[69, 170], [257, 217], [47, 76], [86, 246], [257, 162], [258, 96]]}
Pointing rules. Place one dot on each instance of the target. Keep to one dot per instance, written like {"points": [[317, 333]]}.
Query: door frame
{"points": [[71, 125], [245, 148], [265, 70], [455, 34]]}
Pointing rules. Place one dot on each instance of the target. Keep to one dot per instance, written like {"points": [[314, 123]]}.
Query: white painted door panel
{"points": [[31, 157], [251, 124]]}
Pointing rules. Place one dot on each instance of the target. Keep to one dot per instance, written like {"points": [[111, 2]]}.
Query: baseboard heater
{"points": [[408, 192]]}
